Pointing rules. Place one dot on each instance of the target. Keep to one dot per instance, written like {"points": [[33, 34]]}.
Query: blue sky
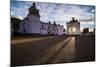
{"points": [[61, 13]]}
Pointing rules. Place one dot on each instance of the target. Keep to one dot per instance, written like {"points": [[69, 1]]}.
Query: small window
{"points": [[42, 26], [23, 23], [35, 21]]}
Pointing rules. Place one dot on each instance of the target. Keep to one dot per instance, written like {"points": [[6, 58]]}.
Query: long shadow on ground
{"points": [[85, 48], [28, 53]]}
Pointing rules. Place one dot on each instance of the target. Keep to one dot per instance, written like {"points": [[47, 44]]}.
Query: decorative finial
{"points": [[34, 4], [73, 18]]}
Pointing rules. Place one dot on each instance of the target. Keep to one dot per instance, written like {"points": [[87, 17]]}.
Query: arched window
{"points": [[72, 29]]}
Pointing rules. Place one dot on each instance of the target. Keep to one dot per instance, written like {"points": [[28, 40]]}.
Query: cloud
{"points": [[20, 8], [64, 12], [93, 11], [87, 20], [61, 13]]}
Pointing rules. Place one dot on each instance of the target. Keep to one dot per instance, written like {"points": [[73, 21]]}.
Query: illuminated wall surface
{"points": [[73, 27], [51, 33]]}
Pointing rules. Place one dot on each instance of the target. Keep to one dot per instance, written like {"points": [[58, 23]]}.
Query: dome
{"points": [[33, 10]]}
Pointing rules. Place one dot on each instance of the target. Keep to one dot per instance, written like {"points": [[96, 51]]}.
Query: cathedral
{"points": [[73, 27], [33, 25]]}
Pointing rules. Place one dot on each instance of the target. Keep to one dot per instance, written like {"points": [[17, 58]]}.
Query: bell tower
{"points": [[33, 10]]}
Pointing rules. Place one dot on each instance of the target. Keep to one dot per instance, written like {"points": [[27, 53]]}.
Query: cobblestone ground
{"points": [[59, 49]]}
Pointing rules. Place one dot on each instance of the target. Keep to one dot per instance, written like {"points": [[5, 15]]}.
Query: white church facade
{"points": [[33, 25], [73, 27]]}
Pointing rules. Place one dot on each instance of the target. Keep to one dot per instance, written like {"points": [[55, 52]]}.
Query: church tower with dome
{"points": [[33, 10], [31, 24]]}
